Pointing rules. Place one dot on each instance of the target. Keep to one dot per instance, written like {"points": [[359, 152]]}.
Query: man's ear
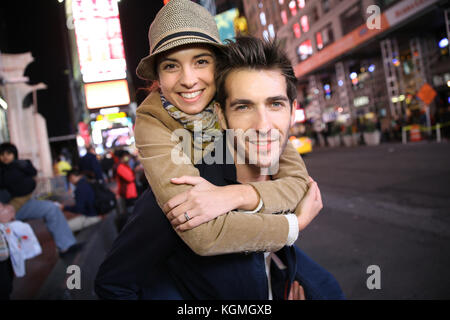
{"points": [[293, 109], [220, 116]]}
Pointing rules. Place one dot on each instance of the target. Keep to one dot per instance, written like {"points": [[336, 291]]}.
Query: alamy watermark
{"points": [[74, 280], [374, 280], [374, 19]]}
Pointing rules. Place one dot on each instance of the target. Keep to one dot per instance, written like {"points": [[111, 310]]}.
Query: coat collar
{"points": [[152, 105]]}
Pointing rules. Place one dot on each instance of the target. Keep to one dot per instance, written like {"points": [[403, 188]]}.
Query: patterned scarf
{"points": [[204, 125]]}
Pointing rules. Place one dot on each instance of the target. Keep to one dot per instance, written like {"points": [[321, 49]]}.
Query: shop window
{"points": [[305, 24], [293, 8], [284, 17], [271, 31], [352, 18], [324, 37], [262, 18], [315, 15], [296, 28], [319, 41], [325, 6], [305, 50], [301, 3]]}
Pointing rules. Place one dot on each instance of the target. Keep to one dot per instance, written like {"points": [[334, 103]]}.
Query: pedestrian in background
{"points": [[126, 186], [90, 166], [18, 178]]}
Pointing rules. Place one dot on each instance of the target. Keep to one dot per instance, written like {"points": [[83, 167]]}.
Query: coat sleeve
{"points": [[125, 173], [232, 232], [289, 184], [26, 167], [81, 200]]}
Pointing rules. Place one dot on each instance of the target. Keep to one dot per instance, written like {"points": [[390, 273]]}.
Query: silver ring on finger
{"points": [[187, 216]]}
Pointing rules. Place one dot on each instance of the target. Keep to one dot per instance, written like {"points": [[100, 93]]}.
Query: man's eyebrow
{"points": [[277, 98], [240, 101]]}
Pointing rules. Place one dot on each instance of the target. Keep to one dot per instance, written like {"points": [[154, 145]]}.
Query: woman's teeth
{"points": [[190, 95]]}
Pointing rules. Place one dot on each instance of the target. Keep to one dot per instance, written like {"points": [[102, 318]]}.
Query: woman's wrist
{"points": [[247, 198]]}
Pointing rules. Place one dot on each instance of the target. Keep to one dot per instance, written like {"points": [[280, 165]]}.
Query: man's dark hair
{"points": [[10, 148], [253, 54], [73, 172]]}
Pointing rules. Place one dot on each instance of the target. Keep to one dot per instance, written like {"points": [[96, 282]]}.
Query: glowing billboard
{"points": [[225, 24], [106, 94], [99, 40]]}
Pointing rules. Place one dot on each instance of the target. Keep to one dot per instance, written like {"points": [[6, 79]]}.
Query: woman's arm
{"points": [[249, 232], [289, 184]]}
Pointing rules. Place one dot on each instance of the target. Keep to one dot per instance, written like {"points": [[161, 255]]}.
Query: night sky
{"points": [[39, 27]]}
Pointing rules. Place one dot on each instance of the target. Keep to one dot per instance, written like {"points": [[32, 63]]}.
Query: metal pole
{"points": [[438, 132]]}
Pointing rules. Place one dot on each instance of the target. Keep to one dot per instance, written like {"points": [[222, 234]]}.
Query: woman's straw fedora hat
{"points": [[178, 23]]}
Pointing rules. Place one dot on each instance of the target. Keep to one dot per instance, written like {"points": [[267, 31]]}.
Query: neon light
{"points": [[107, 94], [99, 40]]}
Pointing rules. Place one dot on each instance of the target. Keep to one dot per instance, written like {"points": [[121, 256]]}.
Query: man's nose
{"points": [[188, 77], [262, 121]]}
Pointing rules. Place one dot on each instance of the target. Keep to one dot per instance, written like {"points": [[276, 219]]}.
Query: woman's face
{"points": [[186, 78]]}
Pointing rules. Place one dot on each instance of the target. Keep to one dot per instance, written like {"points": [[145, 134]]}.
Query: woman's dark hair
{"points": [[253, 54], [10, 148]]}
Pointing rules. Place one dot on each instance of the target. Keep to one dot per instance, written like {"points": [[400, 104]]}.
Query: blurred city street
{"points": [[386, 206], [90, 113]]}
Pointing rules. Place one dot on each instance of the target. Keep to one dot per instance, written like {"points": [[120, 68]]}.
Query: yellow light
{"points": [[107, 94], [448, 83]]}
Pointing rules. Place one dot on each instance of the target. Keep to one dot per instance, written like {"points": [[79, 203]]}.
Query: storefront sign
{"points": [[406, 9]]}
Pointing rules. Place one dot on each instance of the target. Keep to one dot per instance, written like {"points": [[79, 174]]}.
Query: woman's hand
{"points": [[297, 292], [202, 203], [310, 205]]}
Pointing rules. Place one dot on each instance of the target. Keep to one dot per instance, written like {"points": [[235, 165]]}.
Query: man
{"points": [[84, 207], [18, 178], [84, 195], [90, 166], [148, 260]]}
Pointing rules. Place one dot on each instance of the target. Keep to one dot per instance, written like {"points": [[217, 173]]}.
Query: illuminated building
{"points": [[360, 57], [100, 70]]}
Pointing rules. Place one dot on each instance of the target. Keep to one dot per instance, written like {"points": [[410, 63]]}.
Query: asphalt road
{"points": [[387, 206]]}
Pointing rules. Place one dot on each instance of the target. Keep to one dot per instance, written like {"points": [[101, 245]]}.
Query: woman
{"points": [[183, 39]]}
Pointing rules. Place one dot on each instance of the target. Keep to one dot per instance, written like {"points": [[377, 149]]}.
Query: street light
{"points": [[443, 43]]}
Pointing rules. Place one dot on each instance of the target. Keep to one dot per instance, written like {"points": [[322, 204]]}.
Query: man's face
{"points": [[257, 103], [72, 179], [6, 157]]}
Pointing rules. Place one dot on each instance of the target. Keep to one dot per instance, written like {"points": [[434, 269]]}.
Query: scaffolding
{"points": [[343, 88], [394, 80]]}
